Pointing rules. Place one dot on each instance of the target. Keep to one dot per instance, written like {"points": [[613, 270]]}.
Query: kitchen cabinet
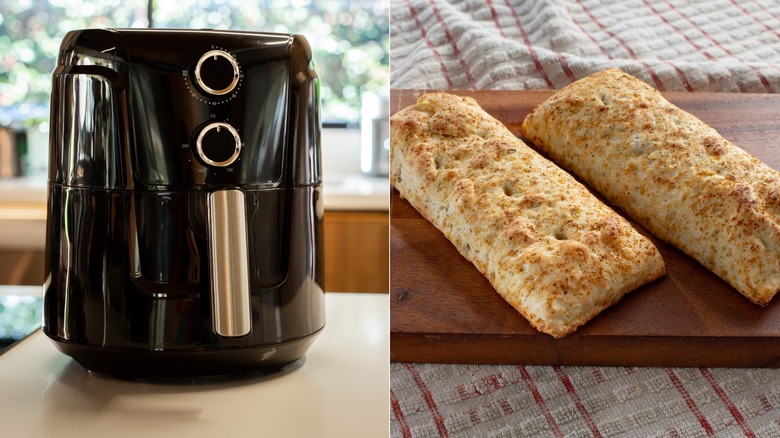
{"points": [[357, 251], [21, 266], [356, 255], [356, 232]]}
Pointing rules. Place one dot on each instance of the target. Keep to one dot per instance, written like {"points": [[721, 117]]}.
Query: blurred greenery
{"points": [[19, 316], [349, 39]]}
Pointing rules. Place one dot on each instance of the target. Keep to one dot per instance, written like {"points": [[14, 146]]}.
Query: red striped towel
{"points": [[713, 45]]}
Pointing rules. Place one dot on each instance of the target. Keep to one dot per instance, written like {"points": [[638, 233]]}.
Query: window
{"points": [[20, 315], [349, 38]]}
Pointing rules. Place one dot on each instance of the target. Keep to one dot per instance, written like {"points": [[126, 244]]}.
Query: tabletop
{"points": [[339, 389]]}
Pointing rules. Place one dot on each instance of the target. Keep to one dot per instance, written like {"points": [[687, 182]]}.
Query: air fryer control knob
{"points": [[217, 72], [218, 144]]}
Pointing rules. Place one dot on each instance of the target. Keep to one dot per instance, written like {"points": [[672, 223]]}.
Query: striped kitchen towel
{"points": [[438, 400], [673, 45]]}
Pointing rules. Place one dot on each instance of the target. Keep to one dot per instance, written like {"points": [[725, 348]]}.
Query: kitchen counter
{"points": [[340, 389], [23, 212], [356, 192]]}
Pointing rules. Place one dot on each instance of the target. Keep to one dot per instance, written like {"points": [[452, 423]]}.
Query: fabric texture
{"points": [[713, 45], [673, 45], [436, 400]]}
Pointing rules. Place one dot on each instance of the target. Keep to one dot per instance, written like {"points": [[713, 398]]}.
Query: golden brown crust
{"points": [[671, 173], [547, 245]]}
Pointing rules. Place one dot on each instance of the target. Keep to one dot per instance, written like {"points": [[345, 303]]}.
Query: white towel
{"points": [[673, 45]]}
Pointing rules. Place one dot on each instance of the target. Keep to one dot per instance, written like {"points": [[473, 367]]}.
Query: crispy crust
{"points": [[671, 173], [550, 248]]}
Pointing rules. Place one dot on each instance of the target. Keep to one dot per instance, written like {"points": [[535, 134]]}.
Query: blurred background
{"points": [[349, 39]]}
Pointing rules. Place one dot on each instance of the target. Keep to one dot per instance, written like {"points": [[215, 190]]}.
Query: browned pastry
{"points": [[549, 247], [670, 172]]}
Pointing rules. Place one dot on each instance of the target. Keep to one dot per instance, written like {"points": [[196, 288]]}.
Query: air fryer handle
{"points": [[229, 263]]}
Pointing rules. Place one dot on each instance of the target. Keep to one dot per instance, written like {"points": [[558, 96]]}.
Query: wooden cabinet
{"points": [[357, 251], [21, 267], [356, 255]]}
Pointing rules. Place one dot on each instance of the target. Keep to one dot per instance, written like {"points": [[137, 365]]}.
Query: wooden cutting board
{"points": [[443, 310]]}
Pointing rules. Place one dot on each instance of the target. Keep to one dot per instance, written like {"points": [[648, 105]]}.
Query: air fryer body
{"points": [[185, 208]]}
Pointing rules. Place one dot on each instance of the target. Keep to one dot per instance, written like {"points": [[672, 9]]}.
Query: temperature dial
{"points": [[218, 144], [217, 72]]}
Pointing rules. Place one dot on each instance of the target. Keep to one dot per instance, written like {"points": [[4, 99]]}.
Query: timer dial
{"points": [[217, 72], [218, 144]]}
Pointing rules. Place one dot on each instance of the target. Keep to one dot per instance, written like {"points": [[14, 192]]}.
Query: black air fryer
{"points": [[185, 202]]}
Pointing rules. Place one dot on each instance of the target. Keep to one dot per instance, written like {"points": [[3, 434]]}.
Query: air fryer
{"points": [[185, 202]]}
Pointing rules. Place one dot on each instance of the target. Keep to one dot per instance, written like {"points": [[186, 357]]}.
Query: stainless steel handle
{"points": [[230, 309]]}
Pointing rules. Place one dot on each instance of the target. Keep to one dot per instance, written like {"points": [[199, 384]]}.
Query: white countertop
{"points": [[356, 192], [340, 389]]}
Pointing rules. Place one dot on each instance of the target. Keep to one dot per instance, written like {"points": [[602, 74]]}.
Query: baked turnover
{"points": [[547, 245], [670, 172]]}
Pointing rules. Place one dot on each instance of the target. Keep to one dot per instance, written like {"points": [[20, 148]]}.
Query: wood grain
{"points": [[356, 251], [444, 310]]}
